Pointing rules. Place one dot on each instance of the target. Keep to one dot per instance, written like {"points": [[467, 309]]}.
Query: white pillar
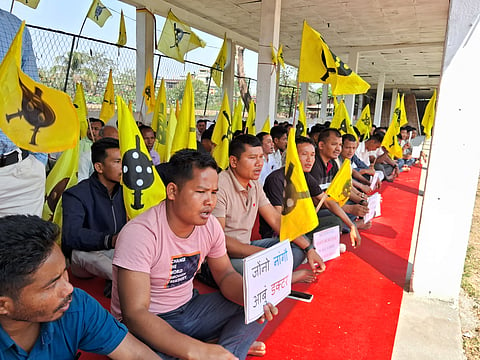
{"points": [[266, 78], [229, 72], [323, 110], [379, 100], [353, 58], [145, 22], [392, 105], [360, 107], [447, 207]]}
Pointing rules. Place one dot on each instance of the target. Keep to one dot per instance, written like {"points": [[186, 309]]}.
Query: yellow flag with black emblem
{"points": [[81, 108], [403, 114], [30, 3], [429, 115], [390, 140], [341, 185], [280, 58], [219, 65], [301, 127], [237, 117], [108, 104], [177, 38], [149, 92], [98, 13], [222, 134], [34, 116], [142, 186], [252, 115], [298, 212], [62, 177], [159, 122], [364, 124], [122, 31], [319, 64], [186, 132], [341, 120]]}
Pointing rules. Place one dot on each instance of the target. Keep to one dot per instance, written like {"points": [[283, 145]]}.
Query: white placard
{"points": [[416, 150], [373, 204], [373, 182], [327, 243], [267, 278]]}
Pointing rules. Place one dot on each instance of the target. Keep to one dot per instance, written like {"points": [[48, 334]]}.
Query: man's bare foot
{"points": [[303, 275], [362, 226], [258, 348]]}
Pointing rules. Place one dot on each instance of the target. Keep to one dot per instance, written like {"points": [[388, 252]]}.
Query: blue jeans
{"points": [[298, 254], [210, 316]]}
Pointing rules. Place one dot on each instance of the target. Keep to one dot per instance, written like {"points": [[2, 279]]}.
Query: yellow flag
{"points": [[30, 3], [390, 140], [122, 32], [250, 126], [222, 134], [62, 177], [429, 115], [301, 126], [130, 106], [149, 92], [298, 212], [142, 186], [237, 117], [274, 55], [280, 58], [266, 125], [341, 185], [171, 127], [364, 124], [219, 65], [177, 38], [108, 105], [335, 103], [81, 108], [341, 120], [33, 116], [186, 133], [403, 113], [319, 64], [98, 13], [159, 121], [177, 109]]}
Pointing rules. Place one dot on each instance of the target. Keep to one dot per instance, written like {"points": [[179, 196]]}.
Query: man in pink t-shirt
{"points": [[156, 257]]}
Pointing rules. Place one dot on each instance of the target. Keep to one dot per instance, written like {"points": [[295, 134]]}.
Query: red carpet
{"points": [[357, 300]]}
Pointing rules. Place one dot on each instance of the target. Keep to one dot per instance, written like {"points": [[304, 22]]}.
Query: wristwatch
{"points": [[308, 248]]}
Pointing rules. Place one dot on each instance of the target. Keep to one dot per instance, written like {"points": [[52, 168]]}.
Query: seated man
{"points": [[149, 138], [85, 165], [94, 126], [268, 162], [241, 198], [41, 315], [94, 213], [275, 184], [156, 258]]}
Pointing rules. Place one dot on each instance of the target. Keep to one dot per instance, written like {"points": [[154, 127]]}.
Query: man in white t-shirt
{"points": [[156, 257]]}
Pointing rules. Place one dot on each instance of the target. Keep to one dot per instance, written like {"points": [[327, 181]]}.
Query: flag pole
{"points": [[11, 6], [71, 53], [322, 200], [208, 91]]}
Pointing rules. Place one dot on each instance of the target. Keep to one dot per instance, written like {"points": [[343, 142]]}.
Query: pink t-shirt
{"points": [[147, 244]]}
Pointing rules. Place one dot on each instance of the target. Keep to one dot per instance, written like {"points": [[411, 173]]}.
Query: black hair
{"points": [[92, 120], [325, 134], [376, 138], [207, 134], [26, 241], [237, 133], [181, 165], [100, 147], [348, 137], [315, 129], [278, 131], [261, 135], [304, 140], [202, 120], [237, 145]]}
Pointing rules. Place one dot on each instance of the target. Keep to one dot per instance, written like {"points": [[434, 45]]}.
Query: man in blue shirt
{"points": [[22, 174], [41, 315]]}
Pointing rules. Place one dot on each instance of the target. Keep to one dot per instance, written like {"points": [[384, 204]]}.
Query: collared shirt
{"points": [[324, 173], [238, 205], [277, 159], [269, 165], [8, 30], [86, 325]]}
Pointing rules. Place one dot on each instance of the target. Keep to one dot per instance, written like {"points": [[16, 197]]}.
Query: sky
{"points": [[68, 16]]}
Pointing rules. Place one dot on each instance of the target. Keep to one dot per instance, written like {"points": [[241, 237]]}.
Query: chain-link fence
{"points": [[64, 59]]}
